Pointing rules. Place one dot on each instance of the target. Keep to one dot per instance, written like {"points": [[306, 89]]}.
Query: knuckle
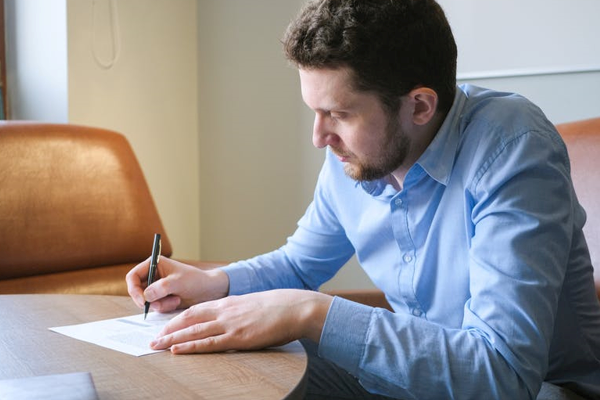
{"points": [[209, 344], [197, 330], [165, 285], [188, 313]]}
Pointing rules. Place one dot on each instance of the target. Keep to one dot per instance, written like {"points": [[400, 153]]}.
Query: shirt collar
{"points": [[438, 159], [379, 187]]}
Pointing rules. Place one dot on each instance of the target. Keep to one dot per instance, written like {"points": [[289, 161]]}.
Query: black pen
{"points": [[153, 265]]}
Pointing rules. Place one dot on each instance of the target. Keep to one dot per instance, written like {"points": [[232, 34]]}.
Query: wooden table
{"points": [[28, 348]]}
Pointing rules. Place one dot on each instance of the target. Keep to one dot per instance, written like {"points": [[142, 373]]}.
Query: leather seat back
{"points": [[71, 197], [583, 145]]}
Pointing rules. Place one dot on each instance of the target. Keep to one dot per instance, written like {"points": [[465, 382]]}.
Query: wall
{"points": [[546, 51], [496, 37], [255, 178], [564, 97], [36, 70], [149, 95]]}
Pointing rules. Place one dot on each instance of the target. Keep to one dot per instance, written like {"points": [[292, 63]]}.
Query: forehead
{"points": [[329, 89]]}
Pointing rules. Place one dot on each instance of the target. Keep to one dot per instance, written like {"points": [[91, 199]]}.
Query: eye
{"points": [[337, 115]]}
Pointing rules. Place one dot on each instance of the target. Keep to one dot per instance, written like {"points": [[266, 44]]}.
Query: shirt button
{"points": [[398, 202], [407, 258], [417, 312]]}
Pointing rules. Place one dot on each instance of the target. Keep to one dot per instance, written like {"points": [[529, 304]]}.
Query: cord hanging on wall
{"points": [[115, 35]]}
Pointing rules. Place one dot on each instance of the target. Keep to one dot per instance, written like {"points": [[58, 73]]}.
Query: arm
{"points": [[312, 255], [236, 322], [254, 315]]}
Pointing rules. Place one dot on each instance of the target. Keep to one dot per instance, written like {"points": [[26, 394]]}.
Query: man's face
{"points": [[354, 124]]}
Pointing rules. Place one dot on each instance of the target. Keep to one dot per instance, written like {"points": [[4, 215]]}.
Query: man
{"points": [[459, 205]]}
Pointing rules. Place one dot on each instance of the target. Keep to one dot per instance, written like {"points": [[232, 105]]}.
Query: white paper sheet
{"points": [[131, 335]]}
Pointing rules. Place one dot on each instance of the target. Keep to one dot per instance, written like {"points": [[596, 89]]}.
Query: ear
{"points": [[425, 101]]}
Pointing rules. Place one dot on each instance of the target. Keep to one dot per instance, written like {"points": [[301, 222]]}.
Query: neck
{"points": [[420, 138]]}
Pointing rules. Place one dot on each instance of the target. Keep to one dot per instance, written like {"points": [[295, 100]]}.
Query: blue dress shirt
{"points": [[481, 255]]}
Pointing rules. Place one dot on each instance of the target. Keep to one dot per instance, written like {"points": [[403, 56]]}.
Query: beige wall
{"points": [[150, 95], [253, 146]]}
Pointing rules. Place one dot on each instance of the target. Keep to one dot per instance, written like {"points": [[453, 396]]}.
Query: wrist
{"points": [[313, 315], [219, 283]]}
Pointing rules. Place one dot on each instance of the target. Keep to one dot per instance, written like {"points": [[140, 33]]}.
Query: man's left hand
{"points": [[251, 321]]}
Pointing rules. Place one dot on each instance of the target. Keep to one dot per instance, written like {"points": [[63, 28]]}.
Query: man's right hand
{"points": [[177, 285]]}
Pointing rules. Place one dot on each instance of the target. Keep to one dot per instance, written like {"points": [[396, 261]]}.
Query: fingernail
{"points": [[157, 343]]}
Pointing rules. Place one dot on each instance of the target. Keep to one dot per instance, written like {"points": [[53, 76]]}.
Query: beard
{"points": [[392, 155]]}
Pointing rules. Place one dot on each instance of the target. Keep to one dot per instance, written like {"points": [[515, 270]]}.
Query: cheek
{"points": [[368, 141]]}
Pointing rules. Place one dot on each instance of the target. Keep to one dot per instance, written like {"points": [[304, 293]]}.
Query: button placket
{"points": [[399, 215]]}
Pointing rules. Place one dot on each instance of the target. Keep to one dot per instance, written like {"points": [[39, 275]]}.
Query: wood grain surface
{"points": [[28, 348]]}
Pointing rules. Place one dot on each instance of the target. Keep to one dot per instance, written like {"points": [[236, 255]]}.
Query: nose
{"points": [[323, 134]]}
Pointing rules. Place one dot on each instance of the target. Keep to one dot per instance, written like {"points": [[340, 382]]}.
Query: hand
{"points": [[178, 285], [247, 322]]}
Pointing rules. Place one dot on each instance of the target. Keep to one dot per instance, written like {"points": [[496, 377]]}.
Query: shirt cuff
{"points": [[239, 279], [344, 334]]}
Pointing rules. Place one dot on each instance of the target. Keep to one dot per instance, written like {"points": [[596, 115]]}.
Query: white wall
{"points": [[524, 35], [37, 59], [564, 97], [546, 51]]}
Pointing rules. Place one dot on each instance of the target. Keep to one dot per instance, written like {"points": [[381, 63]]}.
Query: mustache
{"points": [[340, 153]]}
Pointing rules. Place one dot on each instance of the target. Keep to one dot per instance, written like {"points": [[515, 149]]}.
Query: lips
{"points": [[340, 155]]}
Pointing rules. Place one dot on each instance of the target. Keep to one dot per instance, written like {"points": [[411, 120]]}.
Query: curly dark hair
{"points": [[391, 46]]}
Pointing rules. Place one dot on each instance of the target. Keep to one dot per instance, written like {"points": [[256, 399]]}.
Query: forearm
{"points": [[285, 268], [408, 357]]}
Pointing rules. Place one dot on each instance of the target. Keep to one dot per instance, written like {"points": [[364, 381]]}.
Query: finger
{"points": [[136, 282], [166, 304], [193, 316], [159, 289], [192, 333], [211, 344]]}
